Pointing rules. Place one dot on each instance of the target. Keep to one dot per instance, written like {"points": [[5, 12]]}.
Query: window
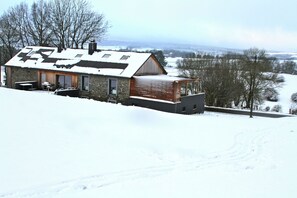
{"points": [[85, 83], [106, 55], [190, 88], [63, 81], [43, 83], [124, 57], [183, 90], [31, 53], [43, 77], [194, 107], [112, 87]]}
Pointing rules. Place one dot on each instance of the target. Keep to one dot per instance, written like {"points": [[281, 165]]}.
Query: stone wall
{"points": [[98, 88], [22, 74]]}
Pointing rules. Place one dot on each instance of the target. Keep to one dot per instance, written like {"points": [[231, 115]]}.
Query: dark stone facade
{"points": [[98, 88], [18, 74]]}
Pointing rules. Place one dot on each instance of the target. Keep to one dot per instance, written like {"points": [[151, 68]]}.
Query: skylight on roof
{"points": [[78, 55], [31, 53], [124, 57], [106, 55]]}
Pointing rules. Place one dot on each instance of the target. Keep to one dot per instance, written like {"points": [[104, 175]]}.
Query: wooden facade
{"points": [[151, 67], [55, 79], [163, 89]]}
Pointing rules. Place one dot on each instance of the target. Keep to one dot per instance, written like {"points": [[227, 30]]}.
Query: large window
{"points": [[85, 83], [112, 86], [63, 81]]}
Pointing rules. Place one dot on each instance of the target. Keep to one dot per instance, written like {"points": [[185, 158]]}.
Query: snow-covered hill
{"points": [[285, 90], [53, 146]]}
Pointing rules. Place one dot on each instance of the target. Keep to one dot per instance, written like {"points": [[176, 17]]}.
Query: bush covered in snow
{"points": [[280, 79], [293, 109], [294, 97], [271, 94], [277, 108], [267, 108]]}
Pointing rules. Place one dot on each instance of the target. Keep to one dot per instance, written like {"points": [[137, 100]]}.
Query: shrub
{"points": [[294, 97], [293, 109], [267, 108], [271, 94], [277, 108], [280, 79]]}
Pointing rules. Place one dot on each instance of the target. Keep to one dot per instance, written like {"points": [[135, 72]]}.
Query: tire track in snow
{"points": [[245, 147]]}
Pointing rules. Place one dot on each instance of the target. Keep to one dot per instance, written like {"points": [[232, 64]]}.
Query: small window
{"points": [[106, 55], [78, 55], [31, 53], [112, 87], [85, 83], [183, 89], [124, 57]]}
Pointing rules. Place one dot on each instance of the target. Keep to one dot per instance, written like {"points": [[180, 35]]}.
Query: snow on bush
{"points": [[280, 79], [294, 97], [277, 108], [271, 94], [267, 108], [293, 109]]}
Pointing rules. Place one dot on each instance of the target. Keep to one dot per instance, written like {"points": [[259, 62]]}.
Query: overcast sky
{"points": [[267, 24]]}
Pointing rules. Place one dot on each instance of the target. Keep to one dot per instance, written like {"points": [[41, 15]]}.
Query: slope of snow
{"points": [[285, 90], [2, 75], [53, 146]]}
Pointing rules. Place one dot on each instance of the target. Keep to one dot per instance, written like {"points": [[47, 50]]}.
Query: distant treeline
{"points": [[233, 79]]}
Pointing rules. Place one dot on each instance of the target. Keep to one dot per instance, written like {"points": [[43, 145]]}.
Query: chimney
{"points": [[60, 48], [92, 47]]}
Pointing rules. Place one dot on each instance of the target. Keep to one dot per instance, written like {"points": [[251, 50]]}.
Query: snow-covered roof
{"points": [[112, 63], [162, 78]]}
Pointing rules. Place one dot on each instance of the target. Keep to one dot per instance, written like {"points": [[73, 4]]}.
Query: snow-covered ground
{"points": [[52, 146], [2, 75], [286, 89], [171, 66]]}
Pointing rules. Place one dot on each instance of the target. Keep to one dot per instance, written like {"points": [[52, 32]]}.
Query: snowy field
{"points": [[2, 75], [52, 146], [285, 90]]}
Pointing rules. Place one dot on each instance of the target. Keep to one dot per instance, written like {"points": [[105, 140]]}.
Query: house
{"points": [[129, 78]]}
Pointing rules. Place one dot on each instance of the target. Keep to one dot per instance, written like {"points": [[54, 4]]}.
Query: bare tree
{"points": [[257, 75], [61, 21], [86, 24], [74, 23], [219, 76], [8, 35], [39, 25], [64, 23], [18, 18]]}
